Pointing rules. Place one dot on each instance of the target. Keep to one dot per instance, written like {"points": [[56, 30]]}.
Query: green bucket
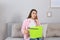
{"points": [[36, 32]]}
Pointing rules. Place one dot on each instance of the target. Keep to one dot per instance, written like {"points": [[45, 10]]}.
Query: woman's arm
{"points": [[23, 29]]}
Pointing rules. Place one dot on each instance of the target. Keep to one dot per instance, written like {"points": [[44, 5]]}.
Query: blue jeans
{"points": [[36, 39]]}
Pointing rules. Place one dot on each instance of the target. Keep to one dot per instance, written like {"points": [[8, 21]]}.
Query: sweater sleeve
{"points": [[23, 26]]}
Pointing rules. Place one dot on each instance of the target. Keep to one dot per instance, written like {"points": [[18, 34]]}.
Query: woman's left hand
{"points": [[37, 22]]}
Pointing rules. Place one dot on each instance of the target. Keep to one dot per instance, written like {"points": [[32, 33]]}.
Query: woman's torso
{"points": [[32, 23]]}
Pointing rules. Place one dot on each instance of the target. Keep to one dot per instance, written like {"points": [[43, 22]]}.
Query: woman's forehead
{"points": [[34, 11]]}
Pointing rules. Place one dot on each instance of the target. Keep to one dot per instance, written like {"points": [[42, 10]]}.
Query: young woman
{"points": [[31, 20]]}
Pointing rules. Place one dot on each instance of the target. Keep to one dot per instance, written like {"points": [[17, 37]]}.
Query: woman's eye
{"points": [[33, 13]]}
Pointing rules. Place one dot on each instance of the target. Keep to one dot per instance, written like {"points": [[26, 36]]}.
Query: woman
{"points": [[31, 20]]}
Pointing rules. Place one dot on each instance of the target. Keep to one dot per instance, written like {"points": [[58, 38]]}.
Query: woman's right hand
{"points": [[26, 32]]}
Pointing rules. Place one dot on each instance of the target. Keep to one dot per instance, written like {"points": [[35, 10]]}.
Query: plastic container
{"points": [[36, 31]]}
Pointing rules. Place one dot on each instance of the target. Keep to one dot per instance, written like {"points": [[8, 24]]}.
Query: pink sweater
{"points": [[25, 26]]}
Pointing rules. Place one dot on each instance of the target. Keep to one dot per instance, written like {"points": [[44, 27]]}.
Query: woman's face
{"points": [[33, 14]]}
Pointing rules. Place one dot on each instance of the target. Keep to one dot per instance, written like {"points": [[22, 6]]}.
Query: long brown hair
{"points": [[31, 13]]}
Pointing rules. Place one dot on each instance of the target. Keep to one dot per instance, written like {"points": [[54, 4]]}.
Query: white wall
{"points": [[18, 10]]}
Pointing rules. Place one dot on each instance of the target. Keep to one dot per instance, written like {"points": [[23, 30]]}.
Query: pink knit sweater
{"points": [[25, 27]]}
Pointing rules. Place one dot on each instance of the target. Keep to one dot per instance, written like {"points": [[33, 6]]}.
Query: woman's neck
{"points": [[32, 18]]}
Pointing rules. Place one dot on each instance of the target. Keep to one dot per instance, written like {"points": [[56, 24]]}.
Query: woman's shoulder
{"points": [[28, 19]]}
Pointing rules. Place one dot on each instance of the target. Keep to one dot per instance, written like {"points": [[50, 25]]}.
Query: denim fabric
{"points": [[36, 39]]}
